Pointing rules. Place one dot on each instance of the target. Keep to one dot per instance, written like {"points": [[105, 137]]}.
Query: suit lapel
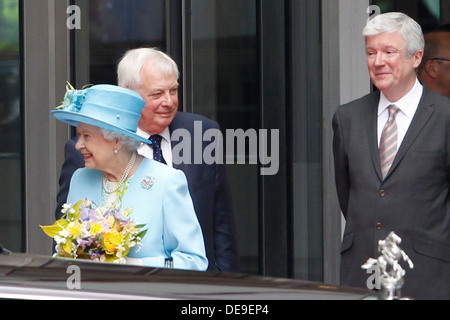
{"points": [[174, 125], [372, 134], [191, 172], [420, 119]]}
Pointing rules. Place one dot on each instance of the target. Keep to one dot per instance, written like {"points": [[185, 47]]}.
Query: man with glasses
{"points": [[434, 70]]}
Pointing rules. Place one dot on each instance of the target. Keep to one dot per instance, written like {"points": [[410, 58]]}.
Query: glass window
{"points": [[240, 79], [428, 13], [235, 71], [117, 26], [10, 127], [225, 88], [307, 125]]}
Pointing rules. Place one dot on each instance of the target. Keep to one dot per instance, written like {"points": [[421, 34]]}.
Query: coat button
{"points": [[382, 193], [379, 226]]}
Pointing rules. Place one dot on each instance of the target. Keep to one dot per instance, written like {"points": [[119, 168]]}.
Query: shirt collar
{"points": [[165, 134], [407, 104]]}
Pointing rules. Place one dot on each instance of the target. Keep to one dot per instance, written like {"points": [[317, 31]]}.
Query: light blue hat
{"points": [[105, 106]]}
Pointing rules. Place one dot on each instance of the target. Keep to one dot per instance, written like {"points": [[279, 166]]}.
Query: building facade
{"points": [[256, 65]]}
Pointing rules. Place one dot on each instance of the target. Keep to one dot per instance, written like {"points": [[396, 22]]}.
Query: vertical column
{"points": [[273, 213], [46, 68], [344, 78]]}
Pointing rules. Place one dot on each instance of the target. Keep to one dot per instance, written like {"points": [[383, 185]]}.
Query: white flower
{"points": [[120, 260], [67, 207], [60, 240], [64, 233]]}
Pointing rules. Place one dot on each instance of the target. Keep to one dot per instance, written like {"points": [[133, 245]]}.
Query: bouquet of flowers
{"points": [[87, 231]]}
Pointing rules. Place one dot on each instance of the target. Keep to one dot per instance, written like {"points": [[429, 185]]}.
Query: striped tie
{"points": [[388, 141]]}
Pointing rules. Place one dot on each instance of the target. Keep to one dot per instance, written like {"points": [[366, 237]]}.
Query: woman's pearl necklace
{"points": [[124, 176]]}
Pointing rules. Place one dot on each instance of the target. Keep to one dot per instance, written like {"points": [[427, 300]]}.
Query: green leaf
{"points": [[69, 86], [142, 234], [54, 229], [67, 247]]}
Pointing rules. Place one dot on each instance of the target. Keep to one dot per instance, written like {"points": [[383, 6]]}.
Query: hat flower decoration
{"points": [[73, 99]]}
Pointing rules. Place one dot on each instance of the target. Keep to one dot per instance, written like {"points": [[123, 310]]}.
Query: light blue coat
{"points": [[166, 208]]}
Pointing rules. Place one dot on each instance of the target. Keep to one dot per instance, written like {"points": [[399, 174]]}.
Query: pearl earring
{"points": [[116, 151]]}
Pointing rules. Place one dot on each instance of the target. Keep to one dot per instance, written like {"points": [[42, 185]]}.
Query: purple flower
{"points": [[96, 217], [82, 243], [84, 214], [118, 215], [95, 253]]}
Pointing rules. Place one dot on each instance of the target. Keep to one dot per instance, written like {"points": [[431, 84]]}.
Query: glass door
{"points": [[117, 26], [224, 49], [430, 14], [11, 219]]}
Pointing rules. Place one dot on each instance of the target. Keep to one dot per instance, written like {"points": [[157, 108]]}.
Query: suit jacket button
{"points": [[379, 226], [382, 193]]}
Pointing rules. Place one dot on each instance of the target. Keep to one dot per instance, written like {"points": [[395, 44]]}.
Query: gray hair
{"points": [[128, 143], [396, 21], [131, 64]]}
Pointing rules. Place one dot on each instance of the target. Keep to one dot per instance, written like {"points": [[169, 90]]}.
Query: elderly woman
{"points": [[106, 118]]}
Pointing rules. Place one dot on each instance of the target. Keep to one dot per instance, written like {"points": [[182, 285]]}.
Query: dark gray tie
{"points": [[389, 141], [156, 145]]}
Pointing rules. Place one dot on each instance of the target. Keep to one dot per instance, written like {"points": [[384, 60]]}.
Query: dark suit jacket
{"points": [[413, 201], [209, 188]]}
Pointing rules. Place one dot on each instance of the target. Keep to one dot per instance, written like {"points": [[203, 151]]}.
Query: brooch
{"points": [[147, 183]]}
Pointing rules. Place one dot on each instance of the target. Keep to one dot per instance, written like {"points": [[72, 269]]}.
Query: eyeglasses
{"points": [[440, 59]]}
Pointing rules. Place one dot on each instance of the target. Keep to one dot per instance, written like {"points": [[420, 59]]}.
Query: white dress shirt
{"points": [[407, 104], [146, 150]]}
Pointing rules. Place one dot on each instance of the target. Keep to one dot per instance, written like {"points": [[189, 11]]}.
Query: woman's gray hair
{"points": [[127, 142], [130, 66], [396, 21]]}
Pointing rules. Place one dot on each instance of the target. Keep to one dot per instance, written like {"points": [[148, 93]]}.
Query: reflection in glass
{"points": [[225, 88], [10, 127], [426, 12], [116, 26]]}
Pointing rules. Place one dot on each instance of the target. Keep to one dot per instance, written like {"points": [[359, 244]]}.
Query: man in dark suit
{"points": [[154, 75], [392, 163]]}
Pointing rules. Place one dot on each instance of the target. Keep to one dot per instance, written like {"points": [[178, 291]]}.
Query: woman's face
{"points": [[96, 150]]}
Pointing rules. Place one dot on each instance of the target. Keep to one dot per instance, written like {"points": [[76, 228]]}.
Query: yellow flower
{"points": [[74, 228], [112, 240], [130, 228], [111, 220], [96, 228]]}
